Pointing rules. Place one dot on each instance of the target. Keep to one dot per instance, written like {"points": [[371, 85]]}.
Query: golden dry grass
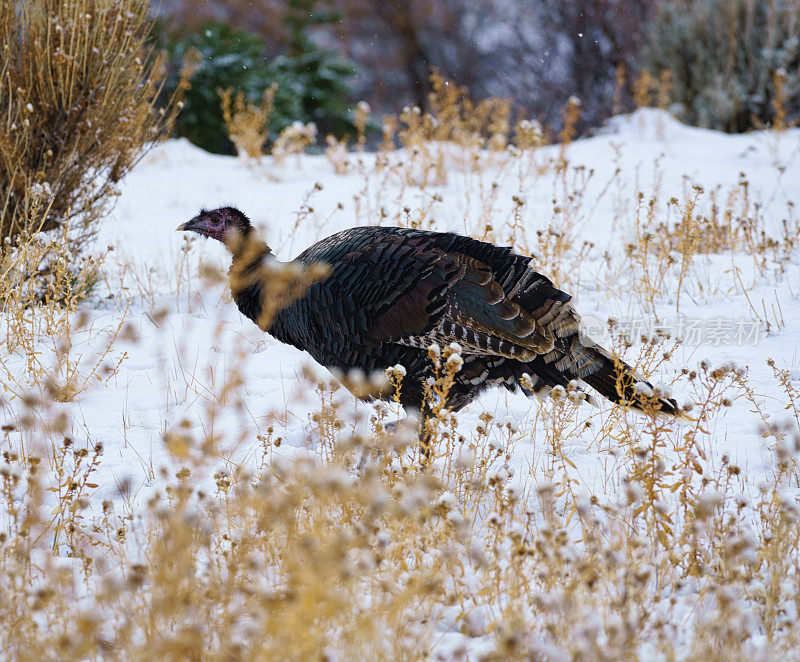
{"points": [[674, 555], [294, 559], [77, 90]]}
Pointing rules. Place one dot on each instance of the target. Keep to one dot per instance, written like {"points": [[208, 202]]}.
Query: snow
{"points": [[183, 356], [167, 374]]}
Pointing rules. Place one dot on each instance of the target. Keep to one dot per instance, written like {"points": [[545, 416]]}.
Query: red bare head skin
{"points": [[218, 224]]}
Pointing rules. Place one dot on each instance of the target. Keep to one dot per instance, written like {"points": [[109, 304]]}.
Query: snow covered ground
{"points": [[190, 336], [165, 376]]}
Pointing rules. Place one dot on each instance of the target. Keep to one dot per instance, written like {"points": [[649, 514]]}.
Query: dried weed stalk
{"points": [[77, 91]]}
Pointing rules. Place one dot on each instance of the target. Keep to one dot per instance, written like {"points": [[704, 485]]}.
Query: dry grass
{"points": [[701, 225], [248, 128], [669, 551], [293, 140], [235, 563], [48, 344], [248, 123], [77, 85]]}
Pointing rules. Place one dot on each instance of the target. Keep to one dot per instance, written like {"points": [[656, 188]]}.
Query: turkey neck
{"points": [[249, 255]]}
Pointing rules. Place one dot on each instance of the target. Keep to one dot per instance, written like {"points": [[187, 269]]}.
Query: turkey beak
{"points": [[194, 224]]}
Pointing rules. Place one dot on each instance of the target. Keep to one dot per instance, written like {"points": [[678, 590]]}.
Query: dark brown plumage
{"points": [[391, 292]]}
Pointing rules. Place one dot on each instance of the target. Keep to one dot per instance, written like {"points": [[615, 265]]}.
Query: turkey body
{"points": [[392, 292]]}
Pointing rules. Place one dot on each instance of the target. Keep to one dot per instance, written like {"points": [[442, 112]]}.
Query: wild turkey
{"points": [[392, 292]]}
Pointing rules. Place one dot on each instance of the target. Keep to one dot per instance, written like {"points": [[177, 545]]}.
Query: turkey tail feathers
{"points": [[619, 383]]}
